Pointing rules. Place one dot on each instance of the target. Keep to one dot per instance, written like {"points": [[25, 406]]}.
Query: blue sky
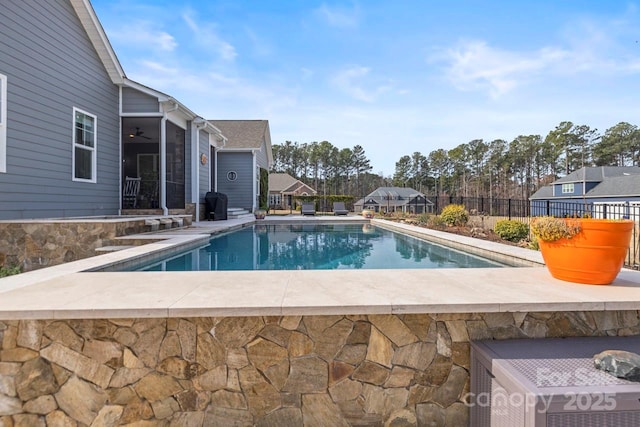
{"points": [[394, 77]]}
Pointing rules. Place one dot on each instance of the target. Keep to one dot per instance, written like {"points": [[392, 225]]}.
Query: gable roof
{"points": [[98, 37], [613, 181], [243, 134], [173, 103], [617, 186], [280, 181], [246, 135], [397, 192], [598, 174], [545, 192], [285, 183]]}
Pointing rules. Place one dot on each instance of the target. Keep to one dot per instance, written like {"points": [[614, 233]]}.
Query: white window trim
{"points": [[570, 188], [94, 149], [3, 123]]}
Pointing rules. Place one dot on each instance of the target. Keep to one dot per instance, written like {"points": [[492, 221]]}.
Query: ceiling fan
{"points": [[138, 133]]}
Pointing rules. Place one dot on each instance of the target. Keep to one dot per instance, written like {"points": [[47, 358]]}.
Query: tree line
{"points": [[495, 169], [326, 168]]}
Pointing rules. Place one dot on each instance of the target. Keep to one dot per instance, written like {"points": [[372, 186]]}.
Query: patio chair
{"points": [[130, 192], [308, 208], [339, 209]]}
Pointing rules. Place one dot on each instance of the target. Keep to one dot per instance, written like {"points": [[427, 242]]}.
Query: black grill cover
{"points": [[215, 206]]}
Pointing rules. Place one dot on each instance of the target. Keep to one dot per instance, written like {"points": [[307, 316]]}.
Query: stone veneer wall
{"points": [[38, 244], [375, 370]]}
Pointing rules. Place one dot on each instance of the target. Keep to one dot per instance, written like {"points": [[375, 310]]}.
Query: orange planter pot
{"points": [[594, 256]]}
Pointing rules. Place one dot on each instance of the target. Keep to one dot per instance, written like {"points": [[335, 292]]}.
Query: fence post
{"points": [[509, 209]]}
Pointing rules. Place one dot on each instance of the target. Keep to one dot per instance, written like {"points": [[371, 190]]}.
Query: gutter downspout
{"points": [[163, 158], [255, 179], [221, 141], [120, 149], [195, 169]]}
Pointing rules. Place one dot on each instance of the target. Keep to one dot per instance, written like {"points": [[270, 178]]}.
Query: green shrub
{"points": [[455, 215], [435, 222], [424, 218], [534, 244], [510, 230], [9, 271]]}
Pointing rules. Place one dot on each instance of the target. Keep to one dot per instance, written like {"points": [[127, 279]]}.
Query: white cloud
{"points": [[475, 65], [340, 17], [584, 47], [158, 67], [207, 36], [144, 35], [352, 80]]}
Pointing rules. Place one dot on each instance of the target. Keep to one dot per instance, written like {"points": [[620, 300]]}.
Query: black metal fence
{"points": [[510, 208], [524, 210]]}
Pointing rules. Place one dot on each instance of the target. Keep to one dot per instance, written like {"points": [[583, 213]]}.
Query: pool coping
{"points": [[69, 291]]}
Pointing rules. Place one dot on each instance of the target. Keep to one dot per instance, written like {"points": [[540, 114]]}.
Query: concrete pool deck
{"points": [[68, 291]]}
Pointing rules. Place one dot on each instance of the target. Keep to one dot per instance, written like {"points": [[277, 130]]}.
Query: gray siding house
{"points": [[603, 191], [59, 121], [246, 151], [169, 148], [74, 129], [395, 199]]}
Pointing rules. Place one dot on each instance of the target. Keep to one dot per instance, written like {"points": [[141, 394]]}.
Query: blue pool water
{"points": [[317, 247]]}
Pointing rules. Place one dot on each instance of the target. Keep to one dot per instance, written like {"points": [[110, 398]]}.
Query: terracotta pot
{"points": [[594, 256]]}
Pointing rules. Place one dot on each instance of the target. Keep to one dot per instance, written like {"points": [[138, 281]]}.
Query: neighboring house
{"points": [[73, 127], [247, 150], [603, 191], [283, 188], [395, 199]]}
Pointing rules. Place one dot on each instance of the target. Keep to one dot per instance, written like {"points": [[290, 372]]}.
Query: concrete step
{"points": [[235, 213], [164, 223]]}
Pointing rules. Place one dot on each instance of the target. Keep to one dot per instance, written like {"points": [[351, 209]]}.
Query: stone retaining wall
{"points": [[35, 244], [375, 370]]}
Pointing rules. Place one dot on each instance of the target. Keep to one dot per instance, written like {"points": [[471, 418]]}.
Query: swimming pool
{"points": [[316, 247]]}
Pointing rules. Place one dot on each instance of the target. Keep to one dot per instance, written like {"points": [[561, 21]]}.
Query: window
{"points": [[274, 199], [567, 188], [3, 123], [84, 146]]}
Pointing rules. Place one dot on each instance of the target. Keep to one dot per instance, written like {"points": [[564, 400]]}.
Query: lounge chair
{"points": [[308, 209], [339, 209]]}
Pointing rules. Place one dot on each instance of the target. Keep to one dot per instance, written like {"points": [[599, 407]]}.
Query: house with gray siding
{"points": [[246, 151], [59, 118], [169, 148], [74, 130], [395, 199], [603, 191]]}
